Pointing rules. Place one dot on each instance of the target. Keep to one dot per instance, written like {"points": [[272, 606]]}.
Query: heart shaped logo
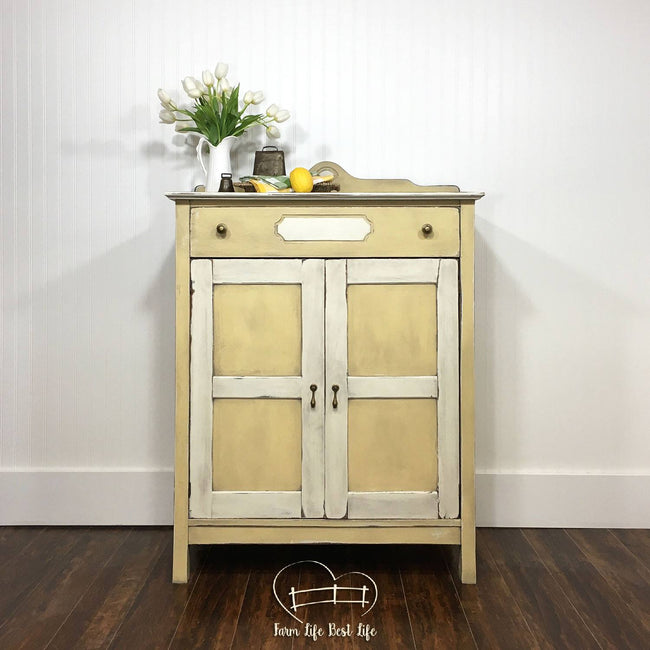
{"points": [[353, 587]]}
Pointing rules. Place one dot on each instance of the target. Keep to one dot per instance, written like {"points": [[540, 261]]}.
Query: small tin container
{"points": [[269, 163]]}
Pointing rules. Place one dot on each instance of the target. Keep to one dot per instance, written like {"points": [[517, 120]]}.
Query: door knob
{"points": [[313, 388], [427, 229], [335, 401], [222, 229]]}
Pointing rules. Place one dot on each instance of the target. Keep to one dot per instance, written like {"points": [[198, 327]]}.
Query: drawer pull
{"points": [[427, 229], [313, 388], [335, 401], [222, 229]]}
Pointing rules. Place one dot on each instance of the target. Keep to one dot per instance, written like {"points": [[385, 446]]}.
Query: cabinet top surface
{"points": [[323, 198]]}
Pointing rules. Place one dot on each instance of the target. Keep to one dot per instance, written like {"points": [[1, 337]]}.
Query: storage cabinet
{"points": [[325, 368]]}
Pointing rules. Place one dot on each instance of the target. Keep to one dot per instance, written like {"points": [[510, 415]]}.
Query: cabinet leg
{"points": [[181, 561], [467, 568]]}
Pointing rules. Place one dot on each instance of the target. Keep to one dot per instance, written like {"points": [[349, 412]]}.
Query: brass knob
{"points": [[313, 388], [427, 229], [222, 229], [335, 401]]}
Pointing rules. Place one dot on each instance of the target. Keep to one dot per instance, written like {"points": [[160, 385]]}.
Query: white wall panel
{"points": [[545, 106]]}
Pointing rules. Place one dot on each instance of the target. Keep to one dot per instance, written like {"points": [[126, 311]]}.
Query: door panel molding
{"points": [[257, 271], [448, 390], [369, 387], [313, 373], [201, 329], [393, 505], [272, 387], [393, 271], [256, 504], [336, 363]]}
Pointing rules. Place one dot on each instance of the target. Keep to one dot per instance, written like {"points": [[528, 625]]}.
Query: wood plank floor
{"points": [[69, 588]]}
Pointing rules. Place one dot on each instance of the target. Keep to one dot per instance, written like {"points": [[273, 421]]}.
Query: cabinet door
{"points": [[256, 434], [392, 434]]}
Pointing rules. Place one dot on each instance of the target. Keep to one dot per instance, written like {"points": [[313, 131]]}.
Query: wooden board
{"points": [[278, 387], [180, 563], [306, 534], [448, 390], [336, 370], [467, 489], [256, 504], [393, 271], [313, 402], [394, 505], [369, 387], [201, 394]]}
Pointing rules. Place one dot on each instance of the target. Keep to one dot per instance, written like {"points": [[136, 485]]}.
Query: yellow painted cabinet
{"points": [[324, 388], [324, 367]]}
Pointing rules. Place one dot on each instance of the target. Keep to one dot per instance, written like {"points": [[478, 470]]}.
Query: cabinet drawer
{"points": [[324, 232]]}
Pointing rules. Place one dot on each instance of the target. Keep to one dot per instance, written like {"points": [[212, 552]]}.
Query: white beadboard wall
{"points": [[545, 106]]}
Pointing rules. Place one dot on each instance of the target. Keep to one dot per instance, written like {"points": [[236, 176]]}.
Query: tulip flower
{"points": [[208, 78], [221, 71], [248, 97], [258, 97], [272, 131], [189, 83], [282, 116], [164, 97], [167, 117], [194, 93], [224, 87], [272, 110]]}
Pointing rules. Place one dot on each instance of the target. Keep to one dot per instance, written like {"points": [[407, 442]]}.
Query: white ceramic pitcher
{"points": [[218, 161]]}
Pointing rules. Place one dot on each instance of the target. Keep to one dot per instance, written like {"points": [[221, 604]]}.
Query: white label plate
{"points": [[325, 228]]}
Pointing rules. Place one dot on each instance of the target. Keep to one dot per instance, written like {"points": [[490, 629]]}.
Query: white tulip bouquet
{"points": [[217, 111]]}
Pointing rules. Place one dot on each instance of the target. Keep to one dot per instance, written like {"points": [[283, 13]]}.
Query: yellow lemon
{"points": [[301, 180]]}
